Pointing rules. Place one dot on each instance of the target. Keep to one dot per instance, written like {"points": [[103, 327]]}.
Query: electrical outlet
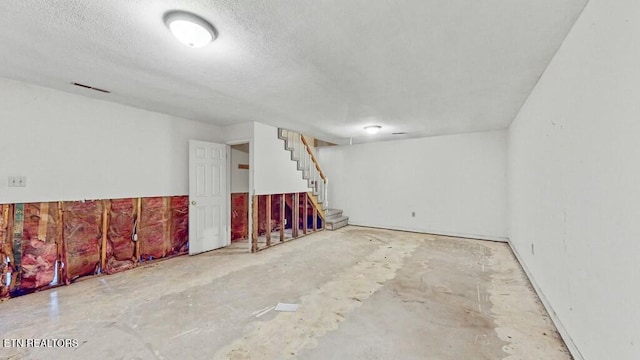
{"points": [[533, 252], [17, 181], [413, 214]]}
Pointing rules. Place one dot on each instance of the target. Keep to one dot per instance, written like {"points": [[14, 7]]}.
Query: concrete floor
{"points": [[362, 294]]}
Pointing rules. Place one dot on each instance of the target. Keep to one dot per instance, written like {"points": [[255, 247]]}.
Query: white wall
{"points": [[239, 133], [455, 184], [239, 177], [574, 182], [72, 147], [274, 171]]}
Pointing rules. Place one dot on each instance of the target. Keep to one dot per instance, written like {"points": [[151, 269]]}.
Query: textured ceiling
{"points": [[323, 67]]}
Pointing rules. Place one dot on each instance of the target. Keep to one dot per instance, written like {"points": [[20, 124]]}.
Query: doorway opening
{"points": [[239, 175]]}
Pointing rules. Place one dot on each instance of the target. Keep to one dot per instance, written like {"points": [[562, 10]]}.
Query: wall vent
{"points": [[91, 87]]}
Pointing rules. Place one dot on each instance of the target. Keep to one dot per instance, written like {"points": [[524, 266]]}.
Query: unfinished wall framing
{"points": [[278, 218], [43, 245]]}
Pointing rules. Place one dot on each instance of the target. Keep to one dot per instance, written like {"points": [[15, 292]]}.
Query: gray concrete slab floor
{"points": [[363, 294]]}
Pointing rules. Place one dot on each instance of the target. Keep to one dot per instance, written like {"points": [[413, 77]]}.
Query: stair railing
{"points": [[302, 153], [313, 171]]}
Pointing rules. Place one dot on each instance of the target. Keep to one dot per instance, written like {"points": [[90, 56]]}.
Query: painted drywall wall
{"points": [[239, 133], [574, 182], [455, 184], [72, 147], [274, 171], [239, 177]]}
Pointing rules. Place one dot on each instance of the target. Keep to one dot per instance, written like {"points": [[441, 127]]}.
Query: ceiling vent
{"points": [[91, 88]]}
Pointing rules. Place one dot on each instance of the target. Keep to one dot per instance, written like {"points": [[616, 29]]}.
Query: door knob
{"points": [[193, 202]]}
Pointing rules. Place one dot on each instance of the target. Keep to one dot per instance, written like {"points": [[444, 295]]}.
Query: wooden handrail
{"points": [[313, 158]]}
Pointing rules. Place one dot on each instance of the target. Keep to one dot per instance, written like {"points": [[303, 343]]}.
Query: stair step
{"points": [[329, 213], [336, 223], [283, 134], [335, 219]]}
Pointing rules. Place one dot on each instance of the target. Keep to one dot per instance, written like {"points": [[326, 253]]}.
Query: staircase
{"points": [[307, 163], [335, 220]]}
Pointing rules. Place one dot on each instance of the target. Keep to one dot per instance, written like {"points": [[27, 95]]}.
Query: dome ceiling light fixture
{"points": [[190, 29], [373, 129]]}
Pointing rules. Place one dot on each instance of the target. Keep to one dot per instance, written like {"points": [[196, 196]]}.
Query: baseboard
{"points": [[437, 232], [573, 349]]}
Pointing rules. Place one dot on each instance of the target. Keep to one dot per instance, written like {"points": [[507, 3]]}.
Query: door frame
{"points": [[251, 189]]}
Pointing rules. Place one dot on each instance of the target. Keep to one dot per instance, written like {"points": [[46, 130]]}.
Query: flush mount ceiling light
{"points": [[373, 129], [190, 29]]}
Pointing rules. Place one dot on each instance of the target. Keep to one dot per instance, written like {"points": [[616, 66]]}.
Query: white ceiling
{"points": [[323, 67]]}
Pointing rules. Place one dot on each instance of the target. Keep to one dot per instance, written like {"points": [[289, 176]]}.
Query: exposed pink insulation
{"points": [[239, 216], [39, 247], [152, 230], [179, 224], [5, 249], [120, 245], [34, 237], [82, 223]]}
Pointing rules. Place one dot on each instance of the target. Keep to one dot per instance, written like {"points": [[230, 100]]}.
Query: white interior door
{"points": [[208, 193]]}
